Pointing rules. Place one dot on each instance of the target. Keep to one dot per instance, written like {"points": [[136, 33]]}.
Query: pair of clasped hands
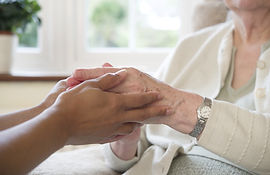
{"points": [[119, 98], [111, 104]]}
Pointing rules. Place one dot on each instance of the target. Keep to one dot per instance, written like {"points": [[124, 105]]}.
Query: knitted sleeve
{"points": [[239, 135]]}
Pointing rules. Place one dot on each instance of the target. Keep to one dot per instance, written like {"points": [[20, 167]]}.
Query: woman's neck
{"points": [[252, 27]]}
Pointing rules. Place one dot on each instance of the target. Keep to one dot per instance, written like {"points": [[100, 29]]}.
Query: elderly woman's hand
{"points": [[133, 82], [183, 112], [103, 116], [183, 104]]}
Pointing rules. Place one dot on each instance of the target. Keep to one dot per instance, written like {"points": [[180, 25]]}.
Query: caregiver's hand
{"points": [[83, 115], [183, 104], [91, 115], [60, 87]]}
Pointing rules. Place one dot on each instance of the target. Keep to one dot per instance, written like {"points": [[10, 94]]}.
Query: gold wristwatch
{"points": [[203, 113]]}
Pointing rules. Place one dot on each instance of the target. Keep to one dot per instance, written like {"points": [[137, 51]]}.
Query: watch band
{"points": [[201, 118], [198, 129], [207, 102]]}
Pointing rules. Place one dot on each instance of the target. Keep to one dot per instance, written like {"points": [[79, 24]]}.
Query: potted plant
{"points": [[15, 15]]}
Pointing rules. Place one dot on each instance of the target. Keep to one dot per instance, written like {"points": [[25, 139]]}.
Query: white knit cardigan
{"points": [[200, 64]]}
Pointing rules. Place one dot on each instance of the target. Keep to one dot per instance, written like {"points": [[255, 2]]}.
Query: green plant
{"points": [[16, 14], [108, 12], [108, 17]]}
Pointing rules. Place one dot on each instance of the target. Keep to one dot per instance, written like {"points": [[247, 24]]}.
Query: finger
{"points": [[71, 81], [110, 80], [124, 130], [107, 65], [140, 115], [87, 74], [71, 87], [106, 81], [112, 139], [139, 99], [127, 128], [62, 85]]}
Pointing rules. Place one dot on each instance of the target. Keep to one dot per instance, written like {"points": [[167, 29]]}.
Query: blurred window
{"points": [[79, 33], [30, 36], [132, 23]]}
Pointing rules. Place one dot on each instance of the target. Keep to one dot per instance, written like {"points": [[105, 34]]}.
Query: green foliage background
{"points": [[16, 14], [109, 24]]}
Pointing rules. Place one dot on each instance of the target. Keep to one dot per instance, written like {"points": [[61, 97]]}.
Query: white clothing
{"points": [[200, 64]]}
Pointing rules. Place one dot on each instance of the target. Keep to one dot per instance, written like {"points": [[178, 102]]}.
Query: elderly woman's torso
{"points": [[203, 70], [231, 64]]}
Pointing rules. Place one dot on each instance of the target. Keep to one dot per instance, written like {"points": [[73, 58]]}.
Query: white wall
{"points": [[20, 95], [186, 11]]}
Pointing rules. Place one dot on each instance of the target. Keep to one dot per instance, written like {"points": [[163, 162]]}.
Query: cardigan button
{"points": [[261, 64], [260, 93]]}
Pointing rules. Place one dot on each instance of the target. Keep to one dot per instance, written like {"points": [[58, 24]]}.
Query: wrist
{"points": [[36, 110], [193, 103], [48, 101], [203, 113], [185, 105], [124, 151], [41, 107], [59, 122]]}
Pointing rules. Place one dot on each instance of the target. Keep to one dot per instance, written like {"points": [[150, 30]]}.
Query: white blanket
{"points": [[73, 160]]}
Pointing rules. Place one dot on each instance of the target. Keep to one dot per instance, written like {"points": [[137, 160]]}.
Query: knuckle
{"points": [[105, 81], [110, 75], [101, 85], [62, 82], [64, 96], [105, 77], [91, 83], [133, 70], [160, 111]]}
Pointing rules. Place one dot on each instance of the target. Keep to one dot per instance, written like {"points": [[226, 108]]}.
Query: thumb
{"points": [[110, 80]]}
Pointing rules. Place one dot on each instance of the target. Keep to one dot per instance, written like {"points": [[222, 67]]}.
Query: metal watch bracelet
{"points": [[203, 113]]}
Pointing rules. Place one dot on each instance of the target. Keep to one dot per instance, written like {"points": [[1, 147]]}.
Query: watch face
{"points": [[204, 112]]}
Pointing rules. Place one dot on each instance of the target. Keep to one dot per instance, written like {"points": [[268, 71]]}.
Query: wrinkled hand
{"points": [[80, 75], [183, 114], [94, 116], [137, 81]]}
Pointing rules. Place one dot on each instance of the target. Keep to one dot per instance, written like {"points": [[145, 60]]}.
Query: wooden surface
{"points": [[8, 77]]}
